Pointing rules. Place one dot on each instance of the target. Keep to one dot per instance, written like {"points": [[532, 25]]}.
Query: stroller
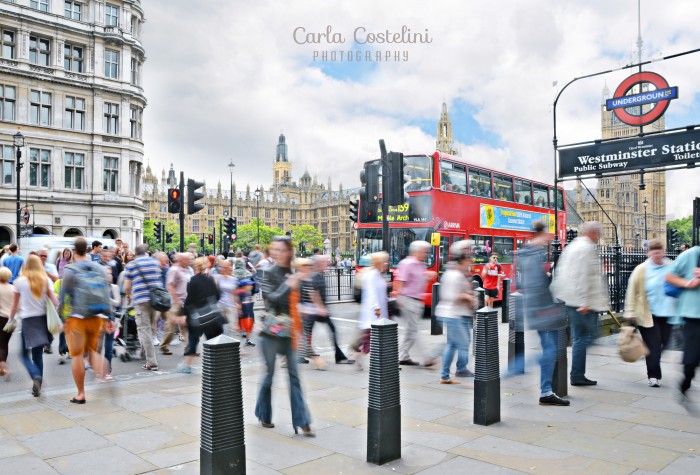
{"points": [[126, 340]]}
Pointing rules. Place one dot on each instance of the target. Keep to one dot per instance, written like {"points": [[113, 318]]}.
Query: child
{"points": [[245, 309]]}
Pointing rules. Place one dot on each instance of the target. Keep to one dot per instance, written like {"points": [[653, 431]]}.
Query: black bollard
{"points": [[487, 379], [222, 448], [560, 383], [505, 305], [435, 324], [516, 335], [384, 394]]}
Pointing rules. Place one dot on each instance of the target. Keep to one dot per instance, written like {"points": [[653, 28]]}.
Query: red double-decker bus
{"points": [[451, 200]]}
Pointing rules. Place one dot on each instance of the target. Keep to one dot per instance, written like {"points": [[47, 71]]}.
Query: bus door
{"points": [[446, 242]]}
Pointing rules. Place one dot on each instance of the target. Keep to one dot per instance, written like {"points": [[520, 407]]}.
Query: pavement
{"points": [[148, 422]]}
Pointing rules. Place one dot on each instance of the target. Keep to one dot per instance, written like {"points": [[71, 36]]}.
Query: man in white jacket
{"points": [[578, 282]]}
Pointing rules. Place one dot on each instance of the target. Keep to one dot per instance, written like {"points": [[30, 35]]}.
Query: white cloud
{"points": [[224, 78]]}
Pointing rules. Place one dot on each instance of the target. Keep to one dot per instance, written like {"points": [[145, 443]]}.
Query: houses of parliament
{"points": [[284, 204]]}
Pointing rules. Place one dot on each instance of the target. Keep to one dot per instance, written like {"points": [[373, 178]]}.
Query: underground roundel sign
{"points": [[660, 96]]}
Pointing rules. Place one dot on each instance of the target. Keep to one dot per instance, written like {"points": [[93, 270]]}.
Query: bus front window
{"points": [[370, 241], [419, 171]]}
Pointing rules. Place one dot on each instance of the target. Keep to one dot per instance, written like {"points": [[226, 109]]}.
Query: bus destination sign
{"points": [[417, 210], [498, 217]]}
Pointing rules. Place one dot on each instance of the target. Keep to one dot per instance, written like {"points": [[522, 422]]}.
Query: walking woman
{"points": [[65, 259], [228, 285], [456, 309], [650, 308], [34, 290], [201, 291], [7, 295], [374, 305], [282, 329]]}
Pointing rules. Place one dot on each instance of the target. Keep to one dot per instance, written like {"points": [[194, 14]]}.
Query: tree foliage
{"points": [[684, 226], [247, 236], [307, 234]]}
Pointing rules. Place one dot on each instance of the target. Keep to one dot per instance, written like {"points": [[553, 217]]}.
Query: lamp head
{"points": [[19, 139]]}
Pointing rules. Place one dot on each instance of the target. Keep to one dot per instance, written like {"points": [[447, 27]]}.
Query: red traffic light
{"points": [[175, 194], [174, 201]]}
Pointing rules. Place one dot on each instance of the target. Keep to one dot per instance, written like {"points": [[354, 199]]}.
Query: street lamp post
{"points": [[645, 203], [19, 143], [257, 206], [230, 206]]}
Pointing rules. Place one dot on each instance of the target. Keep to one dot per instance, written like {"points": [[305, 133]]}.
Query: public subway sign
{"points": [[499, 217], [657, 151], [624, 105]]}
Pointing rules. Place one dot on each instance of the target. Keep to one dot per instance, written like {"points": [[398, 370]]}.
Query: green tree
{"points": [[307, 234], [684, 226], [149, 233], [247, 236]]}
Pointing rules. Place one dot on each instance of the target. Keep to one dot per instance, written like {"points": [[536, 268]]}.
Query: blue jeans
{"points": [[548, 340], [583, 332], [459, 331], [271, 347], [33, 359], [109, 347], [62, 345]]}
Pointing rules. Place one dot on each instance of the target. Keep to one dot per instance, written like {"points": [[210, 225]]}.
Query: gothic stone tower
{"points": [[282, 168], [444, 141]]}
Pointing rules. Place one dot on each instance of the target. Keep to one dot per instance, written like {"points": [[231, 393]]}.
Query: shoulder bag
{"points": [[159, 297], [205, 314], [673, 290]]}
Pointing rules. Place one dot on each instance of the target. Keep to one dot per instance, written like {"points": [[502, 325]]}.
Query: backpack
{"points": [[90, 289]]}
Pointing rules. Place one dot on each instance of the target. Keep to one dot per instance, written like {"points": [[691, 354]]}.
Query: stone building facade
{"points": [[622, 197], [70, 80], [283, 204]]}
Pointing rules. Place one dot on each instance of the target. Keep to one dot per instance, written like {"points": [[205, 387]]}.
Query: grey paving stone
{"points": [[415, 458], [115, 460], [26, 464], [11, 448], [149, 439], [466, 465], [146, 401], [683, 466], [63, 442], [171, 456], [433, 440], [285, 451]]}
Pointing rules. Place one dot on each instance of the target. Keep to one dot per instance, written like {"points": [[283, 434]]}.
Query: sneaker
{"points": [[654, 383], [583, 382], [155, 341], [249, 343], [183, 368], [48, 350], [61, 359], [180, 337], [150, 367], [553, 400]]}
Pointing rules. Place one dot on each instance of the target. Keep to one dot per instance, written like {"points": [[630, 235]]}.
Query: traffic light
{"points": [[354, 210], [228, 225], [174, 201], [234, 227], [193, 196], [396, 178], [673, 239], [369, 177], [169, 237], [158, 231], [210, 238]]}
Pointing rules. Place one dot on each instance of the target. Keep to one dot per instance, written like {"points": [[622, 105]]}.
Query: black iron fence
{"points": [[340, 282], [617, 267]]}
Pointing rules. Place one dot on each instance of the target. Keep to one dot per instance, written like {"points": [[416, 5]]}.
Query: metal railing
{"points": [[340, 282], [622, 264]]}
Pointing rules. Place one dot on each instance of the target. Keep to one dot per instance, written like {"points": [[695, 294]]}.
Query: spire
{"points": [[281, 155], [172, 181], [444, 141], [606, 92]]}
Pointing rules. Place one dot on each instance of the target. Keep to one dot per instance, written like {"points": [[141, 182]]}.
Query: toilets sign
{"points": [[625, 105]]}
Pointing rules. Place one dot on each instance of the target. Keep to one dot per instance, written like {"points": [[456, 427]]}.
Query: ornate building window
{"points": [[110, 124], [334, 212], [324, 228], [73, 58], [7, 41], [111, 64], [40, 108], [267, 213], [334, 227], [135, 121], [73, 170], [74, 118], [7, 103], [39, 168], [210, 210], [111, 15], [73, 10], [39, 50], [41, 5], [110, 174], [8, 164], [135, 178], [135, 72]]}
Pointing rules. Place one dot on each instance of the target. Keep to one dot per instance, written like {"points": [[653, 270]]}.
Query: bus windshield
{"points": [[418, 168], [370, 241]]}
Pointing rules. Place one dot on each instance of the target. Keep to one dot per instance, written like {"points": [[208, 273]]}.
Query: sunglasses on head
{"points": [[282, 238]]}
